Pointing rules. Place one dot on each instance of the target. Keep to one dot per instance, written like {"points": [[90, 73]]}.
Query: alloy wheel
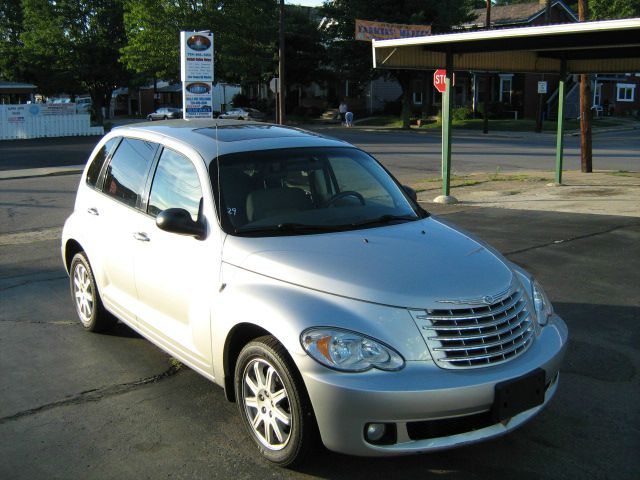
{"points": [[266, 404], [83, 293]]}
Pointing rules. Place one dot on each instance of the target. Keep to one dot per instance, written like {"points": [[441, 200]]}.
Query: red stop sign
{"points": [[439, 78]]}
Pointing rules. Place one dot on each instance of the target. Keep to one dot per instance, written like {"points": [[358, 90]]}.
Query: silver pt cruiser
{"points": [[295, 272]]}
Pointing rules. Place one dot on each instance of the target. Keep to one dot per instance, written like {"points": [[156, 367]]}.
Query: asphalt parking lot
{"points": [[79, 405]]}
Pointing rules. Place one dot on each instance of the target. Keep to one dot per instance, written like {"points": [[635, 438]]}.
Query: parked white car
{"points": [[293, 271], [243, 113], [83, 105]]}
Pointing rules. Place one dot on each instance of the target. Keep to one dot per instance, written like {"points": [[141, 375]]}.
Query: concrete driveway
{"points": [[79, 405]]}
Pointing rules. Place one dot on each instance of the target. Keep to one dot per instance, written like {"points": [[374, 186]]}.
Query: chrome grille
{"points": [[478, 336]]}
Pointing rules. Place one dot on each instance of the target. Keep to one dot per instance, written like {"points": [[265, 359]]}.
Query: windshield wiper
{"points": [[385, 219], [285, 228]]}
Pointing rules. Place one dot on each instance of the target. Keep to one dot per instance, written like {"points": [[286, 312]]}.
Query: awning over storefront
{"points": [[15, 87], [589, 47]]}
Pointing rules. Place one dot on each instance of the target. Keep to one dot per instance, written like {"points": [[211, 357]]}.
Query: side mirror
{"points": [[178, 220], [411, 193]]}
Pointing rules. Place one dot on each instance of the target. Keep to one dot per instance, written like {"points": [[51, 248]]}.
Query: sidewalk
{"points": [[40, 172], [626, 125], [601, 192]]}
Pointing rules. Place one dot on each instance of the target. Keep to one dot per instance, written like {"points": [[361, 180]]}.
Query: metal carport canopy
{"points": [[589, 47]]}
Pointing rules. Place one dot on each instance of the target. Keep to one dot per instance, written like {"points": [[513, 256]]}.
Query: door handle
{"points": [[141, 236], [93, 211]]}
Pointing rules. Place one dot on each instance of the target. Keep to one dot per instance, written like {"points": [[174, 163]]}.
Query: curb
{"points": [[473, 133], [40, 172]]}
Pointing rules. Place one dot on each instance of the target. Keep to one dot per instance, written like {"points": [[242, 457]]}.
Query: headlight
{"points": [[541, 302], [349, 351]]}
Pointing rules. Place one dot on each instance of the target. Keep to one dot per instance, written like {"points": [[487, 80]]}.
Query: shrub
{"points": [[461, 113]]}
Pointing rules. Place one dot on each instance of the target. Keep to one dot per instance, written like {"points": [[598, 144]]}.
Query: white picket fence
{"points": [[36, 121]]}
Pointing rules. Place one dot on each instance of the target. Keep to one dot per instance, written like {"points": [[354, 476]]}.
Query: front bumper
{"points": [[344, 403]]}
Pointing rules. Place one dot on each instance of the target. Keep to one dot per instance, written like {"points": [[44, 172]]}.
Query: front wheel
{"points": [[84, 293], [273, 402]]}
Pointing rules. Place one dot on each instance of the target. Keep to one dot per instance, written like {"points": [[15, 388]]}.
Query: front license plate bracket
{"points": [[519, 394]]}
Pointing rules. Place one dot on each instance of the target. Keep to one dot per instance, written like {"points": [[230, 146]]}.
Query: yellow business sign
{"points": [[366, 30]]}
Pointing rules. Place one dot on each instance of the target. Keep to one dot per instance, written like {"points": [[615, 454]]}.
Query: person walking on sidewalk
{"points": [[342, 110]]}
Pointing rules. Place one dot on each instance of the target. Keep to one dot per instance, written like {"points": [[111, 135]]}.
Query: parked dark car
{"points": [[165, 113]]}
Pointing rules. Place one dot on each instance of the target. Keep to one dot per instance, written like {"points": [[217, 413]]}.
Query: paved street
{"points": [[45, 152], [409, 155], [77, 405]]}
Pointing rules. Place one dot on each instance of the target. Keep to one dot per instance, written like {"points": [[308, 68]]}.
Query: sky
{"points": [[307, 3]]}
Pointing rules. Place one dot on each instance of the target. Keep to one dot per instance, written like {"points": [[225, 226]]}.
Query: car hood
{"points": [[412, 265]]}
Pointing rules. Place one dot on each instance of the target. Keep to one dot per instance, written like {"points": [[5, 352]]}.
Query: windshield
{"points": [[307, 190]]}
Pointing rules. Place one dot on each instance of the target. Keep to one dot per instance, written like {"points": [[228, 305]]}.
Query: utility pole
{"points": [[487, 78], [281, 84], [541, 96], [547, 12], [586, 163]]}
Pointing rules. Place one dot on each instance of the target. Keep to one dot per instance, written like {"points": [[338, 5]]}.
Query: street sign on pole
{"points": [[439, 77], [542, 87], [274, 85]]}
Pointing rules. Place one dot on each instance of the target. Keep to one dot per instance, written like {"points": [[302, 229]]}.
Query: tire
{"points": [[270, 404], [85, 296]]}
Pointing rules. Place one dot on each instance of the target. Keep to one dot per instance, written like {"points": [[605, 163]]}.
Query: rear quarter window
{"points": [[126, 174], [93, 173]]}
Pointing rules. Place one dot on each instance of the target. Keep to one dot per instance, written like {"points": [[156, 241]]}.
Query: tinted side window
{"points": [[126, 173], [175, 185], [98, 161]]}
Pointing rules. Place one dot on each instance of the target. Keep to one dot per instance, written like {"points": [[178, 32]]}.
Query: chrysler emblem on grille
{"points": [[486, 300]]}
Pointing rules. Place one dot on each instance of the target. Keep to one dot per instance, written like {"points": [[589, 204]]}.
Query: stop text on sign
{"points": [[439, 77]]}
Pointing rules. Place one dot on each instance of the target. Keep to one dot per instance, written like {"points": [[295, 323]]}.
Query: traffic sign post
{"points": [[274, 85], [439, 80], [542, 87], [443, 81]]}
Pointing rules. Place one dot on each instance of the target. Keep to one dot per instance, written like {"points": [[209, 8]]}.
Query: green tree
{"points": [[244, 36], [305, 52], [46, 56], [10, 44], [73, 46], [247, 45], [95, 30], [153, 28], [351, 59], [612, 9]]}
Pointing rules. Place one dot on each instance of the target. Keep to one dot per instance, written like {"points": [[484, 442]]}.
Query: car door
{"points": [[87, 201], [175, 274], [118, 209]]}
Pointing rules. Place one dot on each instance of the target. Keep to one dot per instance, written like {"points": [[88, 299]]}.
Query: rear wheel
{"points": [[86, 299], [273, 402]]}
